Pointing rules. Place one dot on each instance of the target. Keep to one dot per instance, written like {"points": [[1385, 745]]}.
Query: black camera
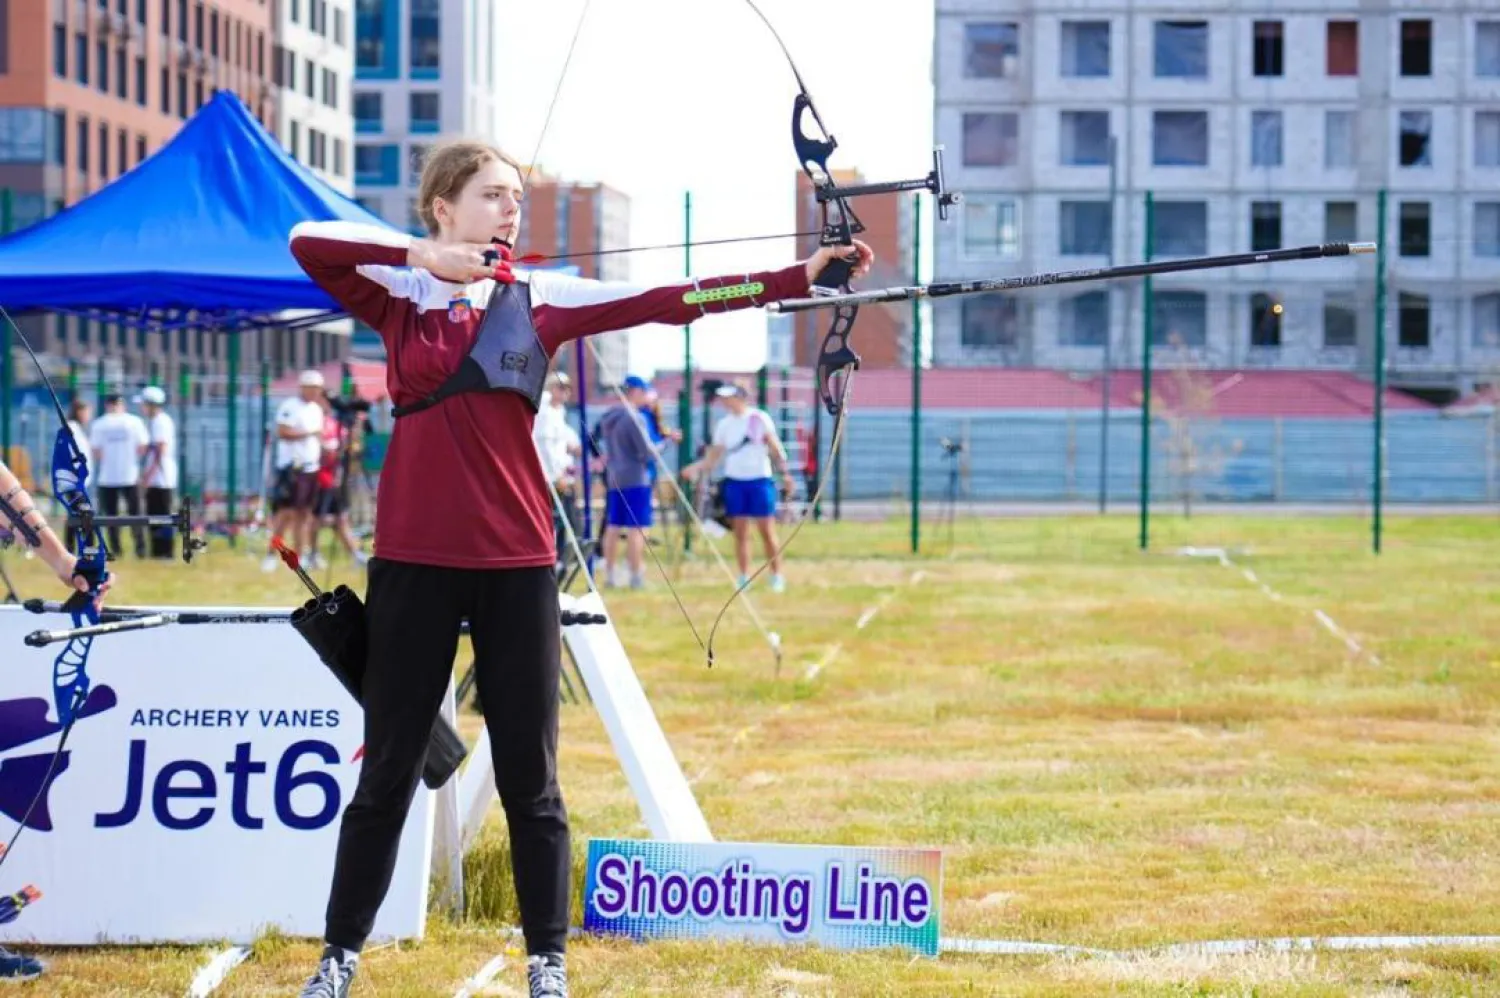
{"points": [[344, 406]]}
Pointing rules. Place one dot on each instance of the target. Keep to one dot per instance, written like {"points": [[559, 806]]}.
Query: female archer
{"points": [[465, 528]]}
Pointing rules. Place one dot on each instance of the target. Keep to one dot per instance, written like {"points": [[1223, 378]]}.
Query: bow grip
{"points": [[837, 273]]}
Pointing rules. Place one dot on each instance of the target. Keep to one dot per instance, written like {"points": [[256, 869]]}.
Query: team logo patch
{"points": [[459, 309]]}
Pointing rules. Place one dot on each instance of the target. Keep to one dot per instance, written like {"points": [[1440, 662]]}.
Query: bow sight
{"points": [[180, 522]]}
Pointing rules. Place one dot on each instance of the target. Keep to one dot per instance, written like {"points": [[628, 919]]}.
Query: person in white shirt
{"points": [[160, 472], [296, 458], [745, 439], [559, 447], [119, 440]]}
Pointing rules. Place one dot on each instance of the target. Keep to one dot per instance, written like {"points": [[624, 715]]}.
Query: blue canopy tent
{"points": [[193, 237], [201, 226]]}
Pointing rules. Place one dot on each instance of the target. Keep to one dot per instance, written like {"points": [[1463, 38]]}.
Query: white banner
{"points": [[200, 793]]}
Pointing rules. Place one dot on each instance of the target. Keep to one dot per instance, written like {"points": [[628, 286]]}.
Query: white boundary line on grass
{"points": [[486, 974], [1216, 947], [1354, 647], [870, 613], [213, 973]]}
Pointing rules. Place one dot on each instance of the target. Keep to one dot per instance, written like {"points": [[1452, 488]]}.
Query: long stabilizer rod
{"points": [[948, 289]]}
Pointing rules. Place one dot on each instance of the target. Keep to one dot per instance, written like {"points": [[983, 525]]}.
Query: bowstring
{"points": [[833, 448]]}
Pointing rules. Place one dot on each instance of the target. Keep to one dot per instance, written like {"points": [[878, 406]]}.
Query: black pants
{"points": [[414, 615], [109, 505], [159, 503]]}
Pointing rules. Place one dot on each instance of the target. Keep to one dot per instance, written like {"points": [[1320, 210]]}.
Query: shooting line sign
{"points": [[840, 897]]}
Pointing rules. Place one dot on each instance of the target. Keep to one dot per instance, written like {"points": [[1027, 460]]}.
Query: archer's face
{"points": [[489, 206]]}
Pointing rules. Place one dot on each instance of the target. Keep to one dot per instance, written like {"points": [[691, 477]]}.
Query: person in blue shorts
{"points": [[625, 441], [745, 440]]}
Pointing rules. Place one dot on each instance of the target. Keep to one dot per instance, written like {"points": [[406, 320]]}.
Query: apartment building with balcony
{"points": [[1253, 125]]}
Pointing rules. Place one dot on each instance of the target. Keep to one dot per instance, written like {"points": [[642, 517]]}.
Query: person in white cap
{"points": [[745, 440], [118, 439], [160, 472], [298, 455]]}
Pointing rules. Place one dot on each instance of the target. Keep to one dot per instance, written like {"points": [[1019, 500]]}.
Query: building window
{"points": [[1265, 320], [1084, 138], [1340, 222], [339, 30], [1083, 228], [140, 80], [1416, 138], [309, 78], [1487, 229], [1084, 320], [1486, 332], [140, 149], [991, 321], [101, 66], [416, 158], [1414, 226], [24, 134], [1085, 49], [1267, 48], [1338, 139], [992, 228], [1487, 138], [1179, 318], [294, 141], [213, 33], [103, 151], [368, 111], [376, 164], [1182, 49], [425, 111], [57, 139], [1487, 49], [369, 34], [81, 58], [1342, 48], [197, 93], [182, 21], [1340, 320], [122, 79], [992, 50], [1179, 138], [1181, 228], [1416, 48], [426, 41], [1265, 138], [60, 51], [991, 139], [338, 153], [1415, 321], [122, 151], [83, 146], [166, 91], [1265, 225], [182, 95], [198, 26]]}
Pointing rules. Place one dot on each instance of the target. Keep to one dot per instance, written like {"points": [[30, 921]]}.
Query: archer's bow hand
{"points": [[90, 580], [835, 266]]}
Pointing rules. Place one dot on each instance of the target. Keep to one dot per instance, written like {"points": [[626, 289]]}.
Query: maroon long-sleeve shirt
{"points": [[462, 485]]}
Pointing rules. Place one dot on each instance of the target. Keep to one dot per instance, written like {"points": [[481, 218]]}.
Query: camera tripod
{"points": [[951, 453]]}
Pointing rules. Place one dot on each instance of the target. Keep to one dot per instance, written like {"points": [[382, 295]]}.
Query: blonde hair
{"points": [[448, 167]]}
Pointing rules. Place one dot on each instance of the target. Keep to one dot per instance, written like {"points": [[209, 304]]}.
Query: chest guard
{"points": [[507, 356]]}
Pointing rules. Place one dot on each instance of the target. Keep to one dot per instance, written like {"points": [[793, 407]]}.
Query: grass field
{"points": [[1113, 749]]}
